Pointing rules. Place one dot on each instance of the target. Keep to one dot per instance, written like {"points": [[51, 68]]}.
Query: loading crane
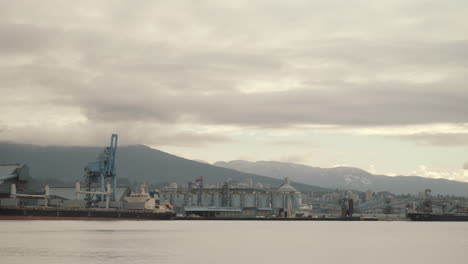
{"points": [[100, 173]]}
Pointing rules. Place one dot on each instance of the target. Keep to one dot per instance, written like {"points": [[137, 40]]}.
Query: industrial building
{"points": [[69, 192], [232, 200], [17, 174]]}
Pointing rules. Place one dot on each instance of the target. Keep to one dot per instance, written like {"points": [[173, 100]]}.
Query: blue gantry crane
{"points": [[101, 172]]}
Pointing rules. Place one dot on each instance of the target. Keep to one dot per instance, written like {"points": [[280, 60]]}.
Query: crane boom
{"points": [[99, 172]]}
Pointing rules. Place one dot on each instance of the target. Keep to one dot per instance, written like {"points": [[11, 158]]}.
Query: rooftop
{"points": [[286, 187]]}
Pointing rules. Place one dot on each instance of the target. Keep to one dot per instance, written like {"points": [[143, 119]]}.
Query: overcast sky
{"points": [[381, 85]]}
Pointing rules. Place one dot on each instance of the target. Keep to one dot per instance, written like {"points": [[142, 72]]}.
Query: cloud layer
{"points": [[166, 68]]}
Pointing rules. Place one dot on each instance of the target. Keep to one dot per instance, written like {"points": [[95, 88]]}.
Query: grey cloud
{"points": [[186, 63], [386, 54], [190, 139], [172, 138], [447, 139], [363, 107], [117, 98], [299, 158], [294, 143], [25, 38], [465, 166], [94, 133]]}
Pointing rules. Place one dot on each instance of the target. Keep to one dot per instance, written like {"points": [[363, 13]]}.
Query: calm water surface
{"points": [[232, 242]]}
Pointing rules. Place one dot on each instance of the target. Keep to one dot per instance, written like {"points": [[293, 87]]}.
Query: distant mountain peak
{"points": [[345, 177]]}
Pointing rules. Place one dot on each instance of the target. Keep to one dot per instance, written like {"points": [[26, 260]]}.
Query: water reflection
{"points": [[231, 242]]}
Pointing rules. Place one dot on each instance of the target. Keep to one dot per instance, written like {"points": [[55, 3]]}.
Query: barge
{"points": [[455, 217], [41, 213]]}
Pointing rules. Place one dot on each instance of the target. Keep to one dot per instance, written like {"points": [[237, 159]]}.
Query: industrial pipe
{"points": [[8, 177]]}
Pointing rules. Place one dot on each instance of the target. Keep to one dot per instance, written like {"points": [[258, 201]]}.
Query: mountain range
{"points": [[139, 163], [134, 164], [347, 178]]}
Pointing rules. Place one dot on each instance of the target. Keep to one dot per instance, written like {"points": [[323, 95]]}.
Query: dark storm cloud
{"points": [[322, 63]]}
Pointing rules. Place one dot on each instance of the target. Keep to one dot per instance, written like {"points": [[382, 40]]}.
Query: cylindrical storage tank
{"points": [[206, 199], [179, 199], [249, 200], [288, 201], [235, 200], [217, 199], [298, 201], [263, 200], [195, 199], [278, 200], [188, 199]]}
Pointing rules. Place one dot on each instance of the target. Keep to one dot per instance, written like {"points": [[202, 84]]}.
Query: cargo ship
{"points": [[135, 206], [38, 213], [424, 212], [416, 216]]}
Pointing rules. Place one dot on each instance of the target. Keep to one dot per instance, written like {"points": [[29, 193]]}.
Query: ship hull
{"points": [[274, 219], [437, 217], [81, 214]]}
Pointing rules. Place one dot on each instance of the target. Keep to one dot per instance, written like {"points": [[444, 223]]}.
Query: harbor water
{"points": [[269, 242]]}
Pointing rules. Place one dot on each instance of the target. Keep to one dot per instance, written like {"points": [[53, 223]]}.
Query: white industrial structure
{"points": [[235, 201]]}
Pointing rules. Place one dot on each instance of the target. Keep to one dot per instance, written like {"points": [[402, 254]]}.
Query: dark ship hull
{"points": [[437, 217], [37, 213], [274, 219]]}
